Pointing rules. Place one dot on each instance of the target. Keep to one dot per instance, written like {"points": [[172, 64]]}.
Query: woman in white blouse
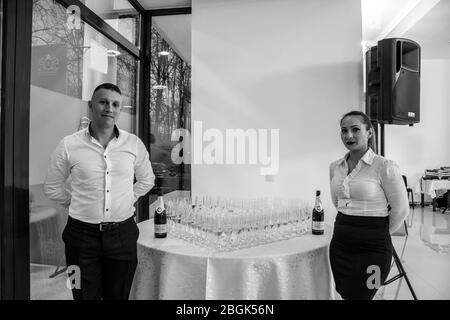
{"points": [[363, 185]]}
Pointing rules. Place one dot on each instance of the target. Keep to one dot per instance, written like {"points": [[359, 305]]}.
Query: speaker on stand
{"points": [[393, 97], [393, 82]]}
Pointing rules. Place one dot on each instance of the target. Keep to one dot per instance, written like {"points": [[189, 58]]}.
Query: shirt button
{"points": [[107, 209], [105, 157], [107, 172], [107, 190]]}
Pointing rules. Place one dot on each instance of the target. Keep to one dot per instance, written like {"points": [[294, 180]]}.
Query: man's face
{"points": [[105, 107]]}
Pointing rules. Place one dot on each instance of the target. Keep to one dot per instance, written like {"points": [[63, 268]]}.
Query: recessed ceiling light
{"points": [[164, 53], [159, 87], [112, 53]]}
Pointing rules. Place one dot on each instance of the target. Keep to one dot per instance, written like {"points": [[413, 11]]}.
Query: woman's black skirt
{"points": [[360, 255]]}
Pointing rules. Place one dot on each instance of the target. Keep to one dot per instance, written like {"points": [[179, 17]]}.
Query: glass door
{"points": [[66, 66]]}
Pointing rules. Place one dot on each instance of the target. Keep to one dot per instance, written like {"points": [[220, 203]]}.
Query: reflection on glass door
{"points": [[170, 104], [66, 66]]}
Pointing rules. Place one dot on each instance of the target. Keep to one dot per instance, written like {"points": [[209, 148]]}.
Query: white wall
{"points": [[288, 64], [426, 144]]}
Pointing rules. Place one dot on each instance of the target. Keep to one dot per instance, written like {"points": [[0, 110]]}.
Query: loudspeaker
{"points": [[373, 101], [393, 81]]}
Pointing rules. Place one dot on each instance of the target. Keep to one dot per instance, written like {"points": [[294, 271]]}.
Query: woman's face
{"points": [[354, 134]]}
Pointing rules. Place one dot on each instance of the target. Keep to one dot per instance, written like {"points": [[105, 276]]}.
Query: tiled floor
{"points": [[45, 288], [426, 260]]}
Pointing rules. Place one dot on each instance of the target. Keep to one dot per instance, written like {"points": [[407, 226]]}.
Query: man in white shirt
{"points": [[102, 161]]}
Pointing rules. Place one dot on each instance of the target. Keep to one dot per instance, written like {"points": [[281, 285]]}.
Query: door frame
{"points": [[14, 135]]}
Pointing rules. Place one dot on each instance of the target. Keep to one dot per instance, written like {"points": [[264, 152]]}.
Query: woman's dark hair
{"points": [[366, 121]]}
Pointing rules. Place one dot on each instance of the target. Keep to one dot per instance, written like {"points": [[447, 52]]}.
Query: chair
{"points": [[402, 232], [398, 260], [409, 191], [398, 263]]}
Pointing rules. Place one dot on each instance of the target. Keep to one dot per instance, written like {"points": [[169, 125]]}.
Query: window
{"points": [[120, 15], [170, 105], [73, 62]]}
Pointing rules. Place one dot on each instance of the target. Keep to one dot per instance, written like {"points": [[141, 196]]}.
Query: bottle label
{"points": [[318, 225], [159, 209], [160, 228]]}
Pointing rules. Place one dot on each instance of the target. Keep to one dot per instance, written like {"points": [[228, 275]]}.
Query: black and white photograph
{"points": [[225, 155]]}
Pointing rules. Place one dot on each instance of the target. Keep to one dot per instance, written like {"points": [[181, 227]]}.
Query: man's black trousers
{"points": [[106, 259]]}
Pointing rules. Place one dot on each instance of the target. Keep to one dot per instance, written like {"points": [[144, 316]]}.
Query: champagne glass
{"points": [[298, 221], [170, 207], [196, 222], [241, 229], [210, 235], [254, 228], [184, 220], [203, 226], [228, 229], [308, 217], [260, 222], [234, 222], [266, 228], [283, 223], [221, 226], [177, 212], [304, 217]]}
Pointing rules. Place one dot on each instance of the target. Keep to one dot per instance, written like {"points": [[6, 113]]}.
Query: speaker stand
{"points": [[402, 273], [398, 262]]}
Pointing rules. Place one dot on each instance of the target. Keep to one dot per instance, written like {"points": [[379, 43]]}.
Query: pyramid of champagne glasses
{"points": [[227, 225]]}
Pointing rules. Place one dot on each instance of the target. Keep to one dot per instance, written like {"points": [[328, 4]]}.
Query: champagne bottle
{"points": [[318, 223], [160, 218]]}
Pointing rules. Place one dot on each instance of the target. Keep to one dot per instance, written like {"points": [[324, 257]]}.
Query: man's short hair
{"points": [[107, 86]]}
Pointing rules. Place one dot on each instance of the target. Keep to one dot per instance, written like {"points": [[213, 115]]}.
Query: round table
{"points": [[292, 269]]}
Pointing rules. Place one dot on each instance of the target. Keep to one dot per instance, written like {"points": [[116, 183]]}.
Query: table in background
{"points": [[291, 269], [46, 226], [429, 186]]}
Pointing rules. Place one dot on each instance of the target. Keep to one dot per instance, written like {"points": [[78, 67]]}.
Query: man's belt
{"points": [[105, 226]]}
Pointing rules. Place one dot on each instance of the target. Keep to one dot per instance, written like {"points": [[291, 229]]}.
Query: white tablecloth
{"points": [[169, 268], [431, 186]]}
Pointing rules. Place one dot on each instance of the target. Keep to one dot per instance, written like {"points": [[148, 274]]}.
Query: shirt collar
{"points": [[116, 131], [367, 157]]}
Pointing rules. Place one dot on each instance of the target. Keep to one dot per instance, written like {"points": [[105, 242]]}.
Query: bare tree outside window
{"points": [[50, 28], [170, 109]]}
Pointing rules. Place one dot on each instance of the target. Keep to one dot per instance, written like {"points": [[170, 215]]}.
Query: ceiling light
{"points": [[163, 53], [159, 87], [112, 53]]}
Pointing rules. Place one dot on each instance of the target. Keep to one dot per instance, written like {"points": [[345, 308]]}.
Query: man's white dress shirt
{"points": [[374, 183], [101, 187]]}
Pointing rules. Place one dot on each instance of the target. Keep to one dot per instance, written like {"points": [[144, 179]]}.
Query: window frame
{"points": [[14, 135]]}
